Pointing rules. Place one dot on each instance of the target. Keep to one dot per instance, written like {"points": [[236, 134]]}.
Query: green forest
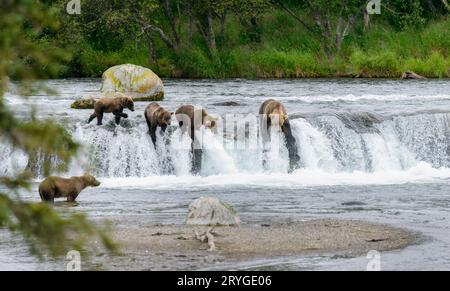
{"points": [[252, 39]]}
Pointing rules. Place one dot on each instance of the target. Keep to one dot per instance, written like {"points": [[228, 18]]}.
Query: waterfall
{"points": [[334, 143]]}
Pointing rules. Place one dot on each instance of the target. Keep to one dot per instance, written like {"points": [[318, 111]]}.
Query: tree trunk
{"points": [[210, 32], [366, 19], [151, 50], [191, 26], [223, 23], [171, 19]]}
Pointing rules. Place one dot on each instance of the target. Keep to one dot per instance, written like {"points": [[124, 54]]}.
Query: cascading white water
{"points": [[12, 161], [330, 143]]}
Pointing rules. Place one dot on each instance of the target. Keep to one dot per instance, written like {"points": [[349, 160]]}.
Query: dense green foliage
{"points": [[256, 38], [25, 55]]}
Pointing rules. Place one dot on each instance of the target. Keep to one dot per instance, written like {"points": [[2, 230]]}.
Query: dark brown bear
{"points": [[114, 105], [190, 119], [155, 115], [57, 187], [273, 113]]}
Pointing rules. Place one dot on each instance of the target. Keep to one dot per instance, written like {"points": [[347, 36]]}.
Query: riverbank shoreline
{"points": [[170, 247]]}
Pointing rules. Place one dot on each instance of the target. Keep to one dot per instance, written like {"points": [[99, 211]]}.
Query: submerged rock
{"points": [[227, 103], [412, 75], [87, 103], [139, 82], [211, 211], [353, 203]]}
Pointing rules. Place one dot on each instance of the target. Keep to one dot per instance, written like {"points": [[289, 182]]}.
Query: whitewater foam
{"points": [[421, 173]]}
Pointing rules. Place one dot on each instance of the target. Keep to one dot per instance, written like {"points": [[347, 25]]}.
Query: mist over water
{"points": [[383, 142]]}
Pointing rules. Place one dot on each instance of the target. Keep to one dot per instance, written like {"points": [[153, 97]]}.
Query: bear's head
{"points": [[91, 180], [127, 102], [164, 118], [278, 117], [210, 121]]}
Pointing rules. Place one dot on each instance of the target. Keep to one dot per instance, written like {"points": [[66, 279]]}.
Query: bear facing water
{"points": [[191, 119], [156, 116], [273, 114], [57, 187]]}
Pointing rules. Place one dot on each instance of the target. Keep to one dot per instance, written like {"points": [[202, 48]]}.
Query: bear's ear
{"points": [[172, 113]]}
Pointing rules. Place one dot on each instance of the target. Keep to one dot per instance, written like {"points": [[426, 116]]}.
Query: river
{"points": [[373, 150]]}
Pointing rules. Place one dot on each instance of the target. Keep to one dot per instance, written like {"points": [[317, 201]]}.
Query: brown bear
{"points": [[114, 105], [195, 117], [155, 115], [190, 119], [273, 113], [57, 187]]}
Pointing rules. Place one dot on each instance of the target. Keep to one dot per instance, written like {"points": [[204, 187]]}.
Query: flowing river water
{"points": [[373, 150]]}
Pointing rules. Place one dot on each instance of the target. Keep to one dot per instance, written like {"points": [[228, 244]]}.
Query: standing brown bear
{"points": [[57, 187], [155, 115], [114, 105], [192, 118], [273, 113]]}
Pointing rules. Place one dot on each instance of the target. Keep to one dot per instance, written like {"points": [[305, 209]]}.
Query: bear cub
{"points": [[114, 105]]}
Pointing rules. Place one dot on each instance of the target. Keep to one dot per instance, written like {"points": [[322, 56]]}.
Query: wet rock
{"points": [[136, 81], [361, 122], [227, 103], [87, 103], [353, 203], [211, 211], [412, 75]]}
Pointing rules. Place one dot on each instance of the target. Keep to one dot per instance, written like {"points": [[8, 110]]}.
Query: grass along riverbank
{"points": [[291, 52]]}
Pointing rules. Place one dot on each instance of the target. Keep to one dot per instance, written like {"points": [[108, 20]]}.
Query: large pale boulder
{"points": [[211, 211], [136, 81]]}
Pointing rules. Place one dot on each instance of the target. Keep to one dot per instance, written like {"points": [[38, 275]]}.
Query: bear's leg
{"points": [[99, 118], [71, 198], [153, 134], [264, 131], [197, 154], [169, 166], [196, 161], [92, 117], [291, 144], [47, 195], [118, 114], [149, 123]]}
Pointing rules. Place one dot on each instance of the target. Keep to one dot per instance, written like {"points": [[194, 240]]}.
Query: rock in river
{"points": [[211, 211], [136, 81]]}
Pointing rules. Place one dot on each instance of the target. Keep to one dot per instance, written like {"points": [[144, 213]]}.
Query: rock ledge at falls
{"points": [[211, 211]]}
